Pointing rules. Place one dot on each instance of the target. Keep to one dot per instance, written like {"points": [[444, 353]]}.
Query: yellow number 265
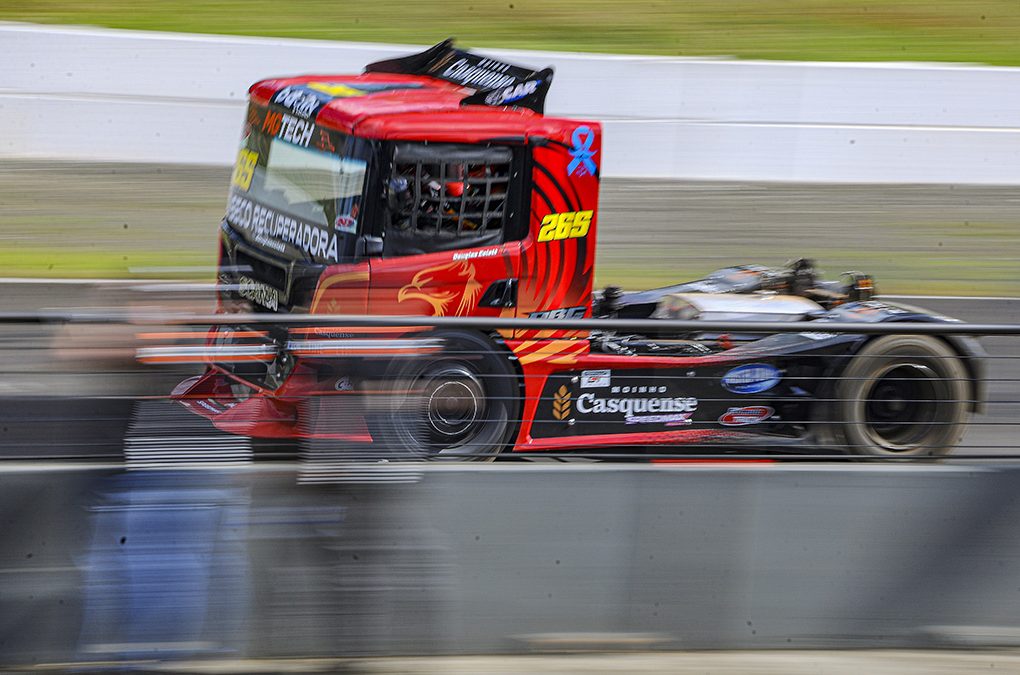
{"points": [[568, 225]]}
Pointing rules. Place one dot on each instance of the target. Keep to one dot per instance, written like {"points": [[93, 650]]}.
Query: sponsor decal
{"points": [[274, 230], [486, 74], [332, 334], [244, 170], [324, 143], [752, 378], [561, 403], [675, 420], [348, 224], [272, 122], [481, 253], [592, 403], [613, 401], [258, 292], [818, 336], [562, 313], [209, 406], [583, 162], [296, 131], [752, 414], [344, 384], [299, 100], [661, 389], [567, 225], [306, 100], [512, 93], [336, 89], [457, 281], [593, 379], [344, 90], [289, 128]]}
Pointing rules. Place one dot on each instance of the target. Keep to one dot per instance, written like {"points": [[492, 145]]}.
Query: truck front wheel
{"points": [[460, 403]]}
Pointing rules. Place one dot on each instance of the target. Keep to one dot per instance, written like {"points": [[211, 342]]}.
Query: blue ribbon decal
{"points": [[582, 164]]}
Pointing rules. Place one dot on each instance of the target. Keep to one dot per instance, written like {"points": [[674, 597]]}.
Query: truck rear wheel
{"points": [[459, 404], [902, 396]]}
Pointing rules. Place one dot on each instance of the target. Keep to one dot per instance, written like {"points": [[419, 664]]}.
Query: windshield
{"points": [[297, 187]]}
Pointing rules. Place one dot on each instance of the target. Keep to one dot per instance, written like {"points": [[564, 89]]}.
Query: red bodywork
{"points": [[553, 263]]}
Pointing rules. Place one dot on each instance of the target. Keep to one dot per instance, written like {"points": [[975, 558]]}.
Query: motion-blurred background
{"points": [[924, 154], [879, 136]]}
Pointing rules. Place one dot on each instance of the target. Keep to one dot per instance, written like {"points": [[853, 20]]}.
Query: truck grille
{"points": [[261, 270]]}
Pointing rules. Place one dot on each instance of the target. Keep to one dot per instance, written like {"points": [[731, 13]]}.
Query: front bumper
{"points": [[237, 408]]}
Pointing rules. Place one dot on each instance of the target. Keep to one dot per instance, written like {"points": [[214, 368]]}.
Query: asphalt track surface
{"points": [[57, 402]]}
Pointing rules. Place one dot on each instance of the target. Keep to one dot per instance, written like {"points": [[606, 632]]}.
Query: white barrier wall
{"points": [[80, 93]]}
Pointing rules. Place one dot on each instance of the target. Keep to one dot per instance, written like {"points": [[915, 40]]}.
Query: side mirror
{"points": [[368, 246]]}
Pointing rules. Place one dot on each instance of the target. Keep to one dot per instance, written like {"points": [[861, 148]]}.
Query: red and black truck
{"points": [[433, 185]]}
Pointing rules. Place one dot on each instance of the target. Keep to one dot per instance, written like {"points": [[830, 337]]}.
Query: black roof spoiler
{"points": [[496, 83]]}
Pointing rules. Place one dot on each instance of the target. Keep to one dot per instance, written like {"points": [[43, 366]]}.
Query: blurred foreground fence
{"points": [[103, 565], [175, 541]]}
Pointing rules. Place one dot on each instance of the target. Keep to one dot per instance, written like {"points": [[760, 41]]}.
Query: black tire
{"points": [[459, 404], [902, 395]]}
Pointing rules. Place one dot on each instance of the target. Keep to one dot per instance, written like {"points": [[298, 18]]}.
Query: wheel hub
{"points": [[452, 407], [901, 406]]}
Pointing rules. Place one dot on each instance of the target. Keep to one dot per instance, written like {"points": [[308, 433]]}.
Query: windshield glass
{"points": [[297, 187]]}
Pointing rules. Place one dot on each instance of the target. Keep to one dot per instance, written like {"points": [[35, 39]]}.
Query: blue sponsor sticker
{"points": [[752, 378]]}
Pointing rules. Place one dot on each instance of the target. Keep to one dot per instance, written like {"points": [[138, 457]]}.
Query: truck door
{"points": [[450, 232]]}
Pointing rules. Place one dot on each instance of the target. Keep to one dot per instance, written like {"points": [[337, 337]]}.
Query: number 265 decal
{"points": [[568, 225], [245, 168]]}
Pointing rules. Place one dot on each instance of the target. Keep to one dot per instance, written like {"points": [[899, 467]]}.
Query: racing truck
{"points": [[434, 185]]}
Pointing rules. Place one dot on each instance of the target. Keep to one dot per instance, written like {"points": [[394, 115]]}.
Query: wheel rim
{"points": [[454, 403], [446, 410], [902, 406]]}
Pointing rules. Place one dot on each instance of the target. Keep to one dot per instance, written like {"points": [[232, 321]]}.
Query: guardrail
{"points": [[152, 97], [103, 566], [637, 325]]}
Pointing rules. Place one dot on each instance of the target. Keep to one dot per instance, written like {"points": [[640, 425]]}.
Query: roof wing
{"points": [[496, 83]]}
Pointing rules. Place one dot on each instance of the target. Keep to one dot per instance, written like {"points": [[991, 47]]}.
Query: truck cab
{"points": [[402, 191]]}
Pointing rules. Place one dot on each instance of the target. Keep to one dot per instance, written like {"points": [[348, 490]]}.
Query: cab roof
{"points": [[443, 91]]}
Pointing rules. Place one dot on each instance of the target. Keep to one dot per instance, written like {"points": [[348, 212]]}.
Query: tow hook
{"points": [[279, 370]]}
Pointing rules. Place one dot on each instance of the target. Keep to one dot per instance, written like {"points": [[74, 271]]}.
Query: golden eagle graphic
{"points": [[462, 272]]}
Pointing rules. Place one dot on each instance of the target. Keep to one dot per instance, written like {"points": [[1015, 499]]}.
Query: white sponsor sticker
{"points": [[676, 420], [272, 229], [590, 379], [471, 255], [591, 403]]}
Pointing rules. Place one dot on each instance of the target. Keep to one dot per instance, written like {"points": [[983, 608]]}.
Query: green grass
{"points": [[968, 258], [66, 219], [54, 263], [910, 274], [981, 31]]}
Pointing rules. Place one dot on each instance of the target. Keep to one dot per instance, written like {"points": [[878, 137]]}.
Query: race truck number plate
{"points": [[258, 292]]}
